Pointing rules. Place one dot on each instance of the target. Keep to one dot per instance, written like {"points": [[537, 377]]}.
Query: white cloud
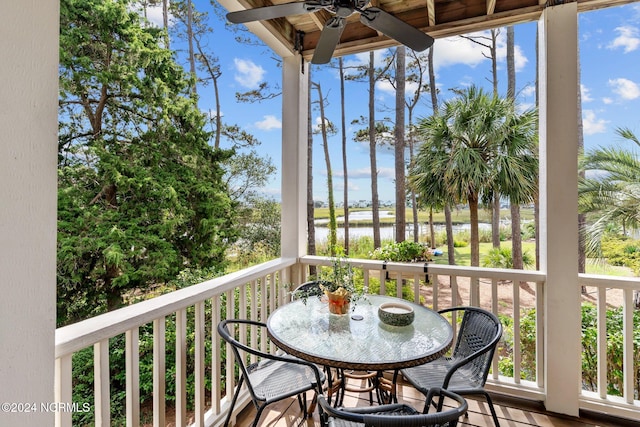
{"points": [[385, 86], [360, 173], [585, 93], [154, 15], [362, 59], [318, 124], [520, 59], [625, 88], [525, 106], [270, 122], [409, 89], [212, 113], [607, 100], [461, 51], [248, 74], [627, 39], [386, 173], [529, 90], [457, 50], [365, 173], [591, 124]]}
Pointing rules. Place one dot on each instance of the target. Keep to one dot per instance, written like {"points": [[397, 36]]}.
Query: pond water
{"points": [[387, 232]]}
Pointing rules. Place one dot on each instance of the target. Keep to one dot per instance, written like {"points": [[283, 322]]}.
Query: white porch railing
{"points": [[263, 284], [488, 288], [607, 292], [195, 312]]}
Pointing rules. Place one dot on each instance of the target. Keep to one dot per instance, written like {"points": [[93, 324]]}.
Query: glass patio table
{"points": [[358, 340]]}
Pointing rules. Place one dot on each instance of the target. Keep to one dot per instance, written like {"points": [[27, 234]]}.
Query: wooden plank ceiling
{"points": [[438, 18]]}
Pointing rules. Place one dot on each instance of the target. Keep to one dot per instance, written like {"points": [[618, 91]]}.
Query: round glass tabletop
{"points": [[359, 340]]}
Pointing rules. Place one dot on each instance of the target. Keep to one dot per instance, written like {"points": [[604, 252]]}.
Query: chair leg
{"points": [[302, 401], [233, 402], [492, 409], [258, 415], [312, 405]]}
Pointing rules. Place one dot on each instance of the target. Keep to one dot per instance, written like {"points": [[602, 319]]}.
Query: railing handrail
{"points": [[433, 268], [619, 282], [75, 337]]}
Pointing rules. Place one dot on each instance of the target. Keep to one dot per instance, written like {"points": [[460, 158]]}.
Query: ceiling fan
{"points": [[373, 17]]}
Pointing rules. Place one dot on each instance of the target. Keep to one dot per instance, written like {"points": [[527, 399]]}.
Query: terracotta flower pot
{"points": [[338, 301]]}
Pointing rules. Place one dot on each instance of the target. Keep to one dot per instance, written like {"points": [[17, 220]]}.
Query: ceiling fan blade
{"points": [[329, 39], [395, 28], [274, 11]]}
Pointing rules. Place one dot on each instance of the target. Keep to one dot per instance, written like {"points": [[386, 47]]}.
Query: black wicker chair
{"points": [[465, 371], [396, 415], [273, 377], [308, 289]]}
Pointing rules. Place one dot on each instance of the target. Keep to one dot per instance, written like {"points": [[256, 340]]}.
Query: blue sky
{"points": [[610, 82]]}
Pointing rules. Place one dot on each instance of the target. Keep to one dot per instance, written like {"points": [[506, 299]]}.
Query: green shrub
{"points": [[529, 231], [406, 251], [503, 258], [621, 251], [460, 243], [505, 233], [485, 235], [614, 349], [589, 331]]}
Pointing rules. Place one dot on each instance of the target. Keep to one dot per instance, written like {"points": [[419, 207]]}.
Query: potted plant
{"points": [[338, 285]]}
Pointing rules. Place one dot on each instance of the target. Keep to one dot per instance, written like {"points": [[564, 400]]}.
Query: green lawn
{"points": [[463, 255]]}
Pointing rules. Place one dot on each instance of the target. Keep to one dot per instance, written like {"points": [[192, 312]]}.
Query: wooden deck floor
{"points": [[511, 413]]}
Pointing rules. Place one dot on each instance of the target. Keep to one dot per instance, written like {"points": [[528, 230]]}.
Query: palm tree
{"points": [[612, 191], [467, 129], [516, 167], [427, 171]]}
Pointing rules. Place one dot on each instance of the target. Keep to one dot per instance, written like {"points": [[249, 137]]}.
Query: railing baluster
{"points": [[230, 362], [273, 296], [101, 390], [627, 346], [254, 317], [199, 364], [282, 280], [474, 291], [263, 312], [181, 368], [495, 373], [159, 372], [540, 367], [435, 288], [416, 288], [366, 285], [63, 389], [453, 283], [602, 341], [517, 355], [216, 356], [132, 373]]}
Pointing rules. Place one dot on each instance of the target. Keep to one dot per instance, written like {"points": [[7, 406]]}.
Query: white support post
{"points": [[28, 196], [295, 89], [558, 81]]}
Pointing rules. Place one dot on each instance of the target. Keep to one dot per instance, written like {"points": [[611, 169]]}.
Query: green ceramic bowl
{"points": [[396, 313]]}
